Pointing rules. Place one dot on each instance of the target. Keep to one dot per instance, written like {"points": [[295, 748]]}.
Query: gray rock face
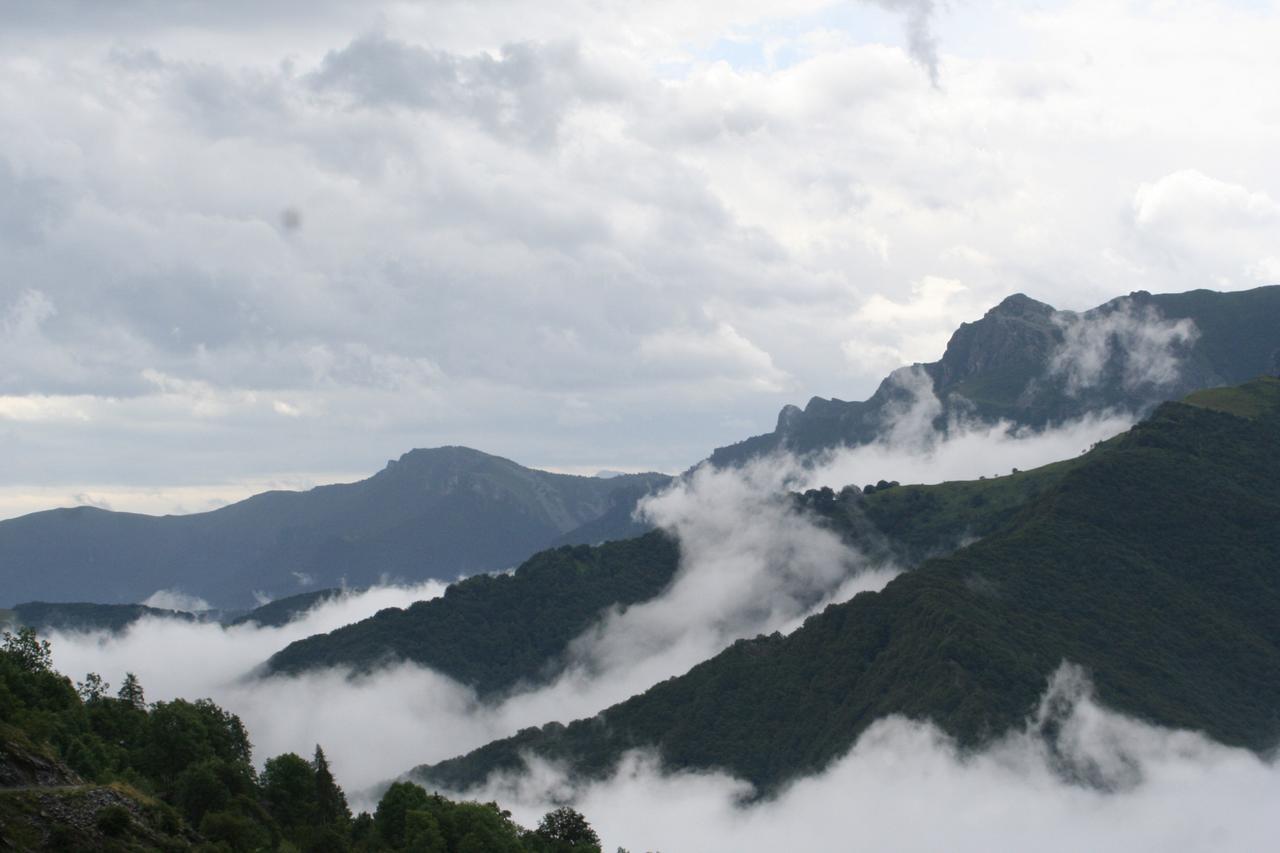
{"points": [[21, 767]]}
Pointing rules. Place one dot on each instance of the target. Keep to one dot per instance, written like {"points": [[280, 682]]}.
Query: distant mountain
{"points": [[1032, 365], [86, 616], [1153, 562], [83, 616], [441, 513]]}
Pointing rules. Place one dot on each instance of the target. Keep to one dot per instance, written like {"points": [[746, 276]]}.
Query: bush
{"points": [[113, 820]]}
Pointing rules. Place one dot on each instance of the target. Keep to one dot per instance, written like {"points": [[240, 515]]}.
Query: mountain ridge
{"points": [[1014, 364], [1151, 563], [431, 513]]}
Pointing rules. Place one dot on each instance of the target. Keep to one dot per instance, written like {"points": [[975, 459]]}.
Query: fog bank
{"points": [[906, 786]]}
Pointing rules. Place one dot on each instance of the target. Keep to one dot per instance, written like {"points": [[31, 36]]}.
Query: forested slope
{"points": [[1154, 562], [495, 632]]}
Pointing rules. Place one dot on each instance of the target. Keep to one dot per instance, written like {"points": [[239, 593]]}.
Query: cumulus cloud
{"points": [[887, 333], [1149, 348], [1189, 199], [492, 234], [1195, 220], [906, 786], [722, 349]]}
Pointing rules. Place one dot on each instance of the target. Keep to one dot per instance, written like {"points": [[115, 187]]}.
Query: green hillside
{"points": [[81, 769], [493, 631], [1154, 562]]}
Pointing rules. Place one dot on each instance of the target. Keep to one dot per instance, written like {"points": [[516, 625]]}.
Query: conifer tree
{"points": [[331, 803]]}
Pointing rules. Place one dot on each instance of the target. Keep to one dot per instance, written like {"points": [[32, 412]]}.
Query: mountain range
{"points": [[1151, 562], [442, 513], [1023, 362], [497, 633], [450, 512], [1031, 365]]}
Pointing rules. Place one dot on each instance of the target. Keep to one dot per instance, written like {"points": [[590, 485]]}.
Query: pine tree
{"points": [[331, 803]]}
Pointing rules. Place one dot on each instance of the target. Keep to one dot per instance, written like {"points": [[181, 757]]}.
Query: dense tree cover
{"points": [[1154, 562], [491, 632], [187, 768]]}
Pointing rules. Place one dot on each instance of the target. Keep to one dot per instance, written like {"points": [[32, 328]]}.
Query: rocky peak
{"points": [[1021, 306], [1018, 333]]}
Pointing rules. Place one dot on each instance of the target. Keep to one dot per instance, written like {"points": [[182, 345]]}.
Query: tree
{"points": [[568, 829], [331, 803], [396, 803], [422, 832], [289, 790], [131, 692], [199, 790], [32, 654], [92, 688]]}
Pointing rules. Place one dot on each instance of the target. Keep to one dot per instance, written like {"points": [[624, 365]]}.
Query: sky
{"points": [[248, 245]]}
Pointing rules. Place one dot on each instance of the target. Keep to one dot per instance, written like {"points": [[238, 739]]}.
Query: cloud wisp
{"points": [[1150, 347]]}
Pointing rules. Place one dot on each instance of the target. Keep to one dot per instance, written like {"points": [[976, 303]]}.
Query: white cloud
{"points": [[718, 353], [1190, 199], [906, 786], [40, 408], [750, 564], [1153, 347], [508, 212]]}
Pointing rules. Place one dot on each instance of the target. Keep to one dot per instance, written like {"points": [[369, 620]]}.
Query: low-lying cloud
{"points": [[912, 448], [1150, 347], [751, 563], [906, 786]]}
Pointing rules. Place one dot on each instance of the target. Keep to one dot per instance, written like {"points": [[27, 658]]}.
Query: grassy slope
{"points": [[1155, 564]]}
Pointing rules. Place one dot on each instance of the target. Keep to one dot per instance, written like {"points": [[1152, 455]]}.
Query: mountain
{"points": [[440, 513], [1153, 562], [494, 633], [1032, 365], [83, 616]]}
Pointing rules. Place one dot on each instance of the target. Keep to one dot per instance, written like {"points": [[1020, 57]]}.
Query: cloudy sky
{"points": [[271, 244]]}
